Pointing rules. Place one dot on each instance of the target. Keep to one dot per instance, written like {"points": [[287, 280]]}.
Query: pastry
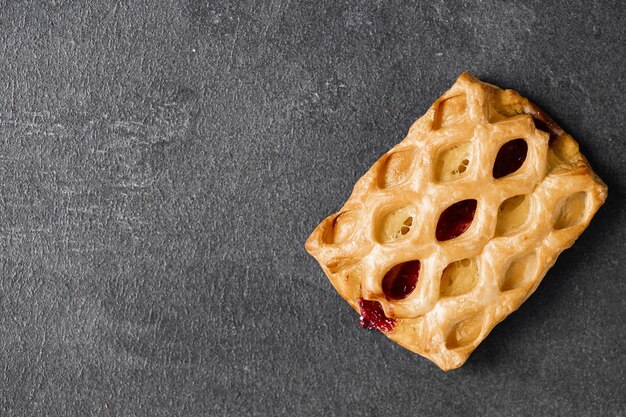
{"points": [[454, 228]]}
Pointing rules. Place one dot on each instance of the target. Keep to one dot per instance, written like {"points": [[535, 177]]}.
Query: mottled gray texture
{"points": [[162, 163]]}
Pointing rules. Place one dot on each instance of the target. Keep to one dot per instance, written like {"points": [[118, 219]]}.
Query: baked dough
{"points": [[511, 226]]}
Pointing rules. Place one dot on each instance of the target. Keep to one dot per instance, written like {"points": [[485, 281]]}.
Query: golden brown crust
{"points": [[523, 221]]}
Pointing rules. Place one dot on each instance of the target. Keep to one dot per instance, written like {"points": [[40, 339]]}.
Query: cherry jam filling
{"points": [[455, 220], [373, 316], [401, 280], [510, 158]]}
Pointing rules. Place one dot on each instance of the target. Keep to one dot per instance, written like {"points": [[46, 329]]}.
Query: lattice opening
{"points": [[342, 228], [512, 213], [450, 111], [569, 211], [503, 105], [520, 272], [395, 169], [562, 151], [453, 163], [465, 332], [458, 278], [455, 220], [510, 158], [401, 280], [396, 224]]}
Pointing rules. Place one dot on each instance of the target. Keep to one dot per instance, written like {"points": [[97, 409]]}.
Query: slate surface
{"points": [[162, 163]]}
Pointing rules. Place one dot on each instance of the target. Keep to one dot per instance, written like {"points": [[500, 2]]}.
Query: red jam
{"points": [[455, 220], [401, 280], [510, 158], [373, 316]]}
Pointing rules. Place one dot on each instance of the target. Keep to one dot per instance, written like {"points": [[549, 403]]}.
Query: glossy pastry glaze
{"points": [[479, 200]]}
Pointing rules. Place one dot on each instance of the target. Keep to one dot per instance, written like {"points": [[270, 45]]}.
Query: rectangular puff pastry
{"points": [[454, 228]]}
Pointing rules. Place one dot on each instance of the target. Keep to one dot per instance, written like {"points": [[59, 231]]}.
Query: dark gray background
{"points": [[163, 162]]}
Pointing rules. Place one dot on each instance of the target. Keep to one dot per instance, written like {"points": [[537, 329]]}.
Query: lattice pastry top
{"points": [[454, 228]]}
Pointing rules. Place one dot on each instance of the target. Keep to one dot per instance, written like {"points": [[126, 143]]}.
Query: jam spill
{"points": [[401, 280], [456, 219], [510, 158], [373, 316]]}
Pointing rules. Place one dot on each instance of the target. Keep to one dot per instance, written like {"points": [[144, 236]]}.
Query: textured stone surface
{"points": [[162, 163]]}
